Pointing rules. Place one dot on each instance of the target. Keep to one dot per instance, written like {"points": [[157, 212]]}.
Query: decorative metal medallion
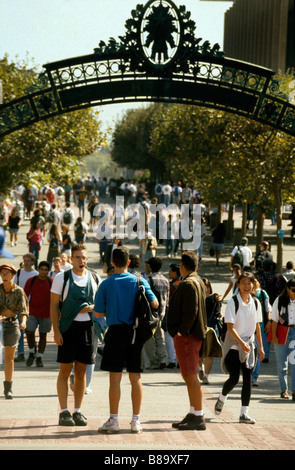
{"points": [[160, 32]]}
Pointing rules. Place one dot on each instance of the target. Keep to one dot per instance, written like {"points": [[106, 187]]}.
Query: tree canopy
{"points": [[51, 150]]}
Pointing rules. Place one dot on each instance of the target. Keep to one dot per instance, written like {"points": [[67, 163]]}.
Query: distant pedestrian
{"points": [[14, 222]]}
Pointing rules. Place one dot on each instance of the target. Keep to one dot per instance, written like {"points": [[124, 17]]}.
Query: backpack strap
{"points": [[235, 298]]}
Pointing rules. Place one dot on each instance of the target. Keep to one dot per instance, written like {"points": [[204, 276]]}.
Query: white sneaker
{"points": [[244, 418], [136, 427], [88, 391], [110, 427]]}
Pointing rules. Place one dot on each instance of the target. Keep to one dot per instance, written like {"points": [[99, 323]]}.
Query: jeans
{"points": [[285, 355]]}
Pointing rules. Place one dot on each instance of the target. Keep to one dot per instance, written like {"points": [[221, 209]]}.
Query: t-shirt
{"points": [[246, 317], [246, 252], [21, 278], [39, 297], [116, 297], [80, 281]]}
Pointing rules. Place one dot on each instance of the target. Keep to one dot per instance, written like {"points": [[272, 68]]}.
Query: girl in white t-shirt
{"points": [[242, 316]]}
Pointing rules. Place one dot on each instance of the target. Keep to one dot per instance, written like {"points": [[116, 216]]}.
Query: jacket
{"points": [[187, 310]]}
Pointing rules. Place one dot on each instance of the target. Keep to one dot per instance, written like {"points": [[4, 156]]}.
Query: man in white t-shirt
{"points": [[20, 279], [166, 191], [73, 331]]}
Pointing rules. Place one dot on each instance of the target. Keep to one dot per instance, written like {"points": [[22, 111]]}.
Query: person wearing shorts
{"points": [[71, 307], [187, 324], [37, 289], [115, 301]]}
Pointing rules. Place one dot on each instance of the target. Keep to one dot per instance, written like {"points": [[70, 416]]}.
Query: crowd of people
{"points": [[90, 315]]}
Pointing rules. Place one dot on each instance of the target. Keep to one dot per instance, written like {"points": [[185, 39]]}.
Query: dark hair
{"points": [[289, 265], [44, 263], [190, 260], [246, 274], [207, 283], [155, 264], [175, 268], [120, 256], [134, 261], [284, 298]]}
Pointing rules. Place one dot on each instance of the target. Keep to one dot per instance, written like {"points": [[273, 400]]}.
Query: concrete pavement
{"points": [[29, 421]]}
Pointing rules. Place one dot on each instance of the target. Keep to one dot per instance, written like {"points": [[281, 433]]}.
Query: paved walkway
{"points": [[29, 421]]}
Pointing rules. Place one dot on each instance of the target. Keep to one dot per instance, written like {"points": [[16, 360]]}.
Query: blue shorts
{"points": [[44, 324], [218, 246]]}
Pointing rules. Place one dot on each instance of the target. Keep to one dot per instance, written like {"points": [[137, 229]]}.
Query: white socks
{"points": [[196, 412]]}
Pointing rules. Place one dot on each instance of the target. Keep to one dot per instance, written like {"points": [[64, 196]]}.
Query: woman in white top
{"points": [[242, 316], [283, 312]]}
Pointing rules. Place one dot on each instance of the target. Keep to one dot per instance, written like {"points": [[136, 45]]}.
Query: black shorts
{"points": [[77, 344], [119, 352]]}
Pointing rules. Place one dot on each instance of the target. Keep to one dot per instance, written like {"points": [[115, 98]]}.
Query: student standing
{"points": [[115, 300], [73, 332]]}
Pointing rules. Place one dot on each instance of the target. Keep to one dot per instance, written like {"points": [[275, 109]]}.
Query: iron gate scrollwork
{"points": [[158, 60]]}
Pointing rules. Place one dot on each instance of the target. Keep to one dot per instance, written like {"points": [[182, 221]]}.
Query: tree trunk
{"points": [[229, 225], [259, 227], [279, 229], [244, 219]]}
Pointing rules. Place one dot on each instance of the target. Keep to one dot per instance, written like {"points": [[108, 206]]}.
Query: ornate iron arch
{"points": [[158, 60]]}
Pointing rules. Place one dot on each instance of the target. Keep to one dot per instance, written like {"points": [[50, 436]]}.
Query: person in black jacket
{"points": [[213, 311]]}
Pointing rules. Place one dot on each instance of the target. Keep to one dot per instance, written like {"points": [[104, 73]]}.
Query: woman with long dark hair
{"points": [[283, 314]]}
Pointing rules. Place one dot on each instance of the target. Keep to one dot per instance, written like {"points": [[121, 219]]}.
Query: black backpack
{"points": [[238, 258], [146, 320]]}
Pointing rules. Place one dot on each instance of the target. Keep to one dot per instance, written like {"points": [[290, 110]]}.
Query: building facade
{"points": [[261, 32]]}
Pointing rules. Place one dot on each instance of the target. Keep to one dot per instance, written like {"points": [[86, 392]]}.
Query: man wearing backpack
{"points": [[115, 300], [241, 254], [71, 306], [187, 324], [37, 289], [67, 216]]}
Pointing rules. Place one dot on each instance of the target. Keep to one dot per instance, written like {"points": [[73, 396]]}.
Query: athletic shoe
{"points": [[246, 419], [88, 391], [30, 359], [136, 427], [183, 421], [20, 358], [79, 419], [205, 380], [65, 419], [110, 427], [39, 362], [195, 423], [255, 383], [218, 407]]}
